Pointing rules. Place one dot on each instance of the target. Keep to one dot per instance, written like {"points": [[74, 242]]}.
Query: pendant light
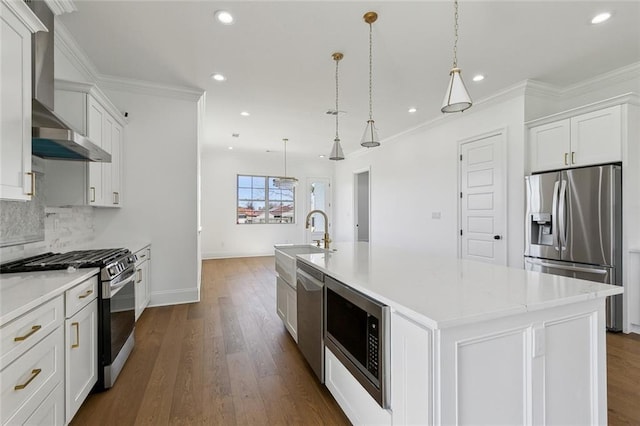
{"points": [[285, 182], [336, 151], [370, 137], [457, 98]]}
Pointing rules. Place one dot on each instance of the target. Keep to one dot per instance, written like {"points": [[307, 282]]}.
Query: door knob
{"points": [[497, 237]]}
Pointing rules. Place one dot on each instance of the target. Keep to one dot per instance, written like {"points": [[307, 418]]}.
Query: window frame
{"points": [[265, 200]]}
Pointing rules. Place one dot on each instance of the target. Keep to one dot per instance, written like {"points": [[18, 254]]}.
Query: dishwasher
{"points": [[310, 289]]}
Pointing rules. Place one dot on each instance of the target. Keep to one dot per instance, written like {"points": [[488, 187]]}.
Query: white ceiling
{"points": [[277, 58]]}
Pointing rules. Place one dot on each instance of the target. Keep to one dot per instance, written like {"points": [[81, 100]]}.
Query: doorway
{"points": [[319, 198], [483, 209], [362, 211]]}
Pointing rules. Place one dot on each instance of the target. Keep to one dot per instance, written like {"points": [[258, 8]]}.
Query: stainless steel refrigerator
{"points": [[574, 227]]}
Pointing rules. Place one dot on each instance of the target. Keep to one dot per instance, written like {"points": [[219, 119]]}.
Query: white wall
{"points": [[221, 236], [416, 173], [160, 191]]}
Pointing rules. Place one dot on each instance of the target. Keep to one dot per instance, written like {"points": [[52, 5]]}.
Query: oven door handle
{"points": [[113, 290]]}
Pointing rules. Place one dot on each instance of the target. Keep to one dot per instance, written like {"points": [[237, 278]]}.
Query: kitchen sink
{"points": [[295, 249], [286, 259]]}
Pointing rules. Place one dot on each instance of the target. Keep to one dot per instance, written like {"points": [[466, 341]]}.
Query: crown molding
{"points": [[149, 88], [68, 46], [96, 93], [58, 7], [514, 91], [626, 98], [617, 75], [25, 15]]}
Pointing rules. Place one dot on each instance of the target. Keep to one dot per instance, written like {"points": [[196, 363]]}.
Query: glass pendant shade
{"points": [[285, 182], [336, 151], [457, 98], [370, 137]]}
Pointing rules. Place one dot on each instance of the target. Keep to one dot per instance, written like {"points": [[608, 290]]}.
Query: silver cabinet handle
{"points": [[92, 189]]}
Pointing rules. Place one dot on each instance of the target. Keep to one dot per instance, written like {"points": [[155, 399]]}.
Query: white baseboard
{"points": [[174, 297], [633, 328]]}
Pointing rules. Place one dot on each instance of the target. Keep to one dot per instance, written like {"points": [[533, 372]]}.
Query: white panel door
{"points": [[482, 200]]}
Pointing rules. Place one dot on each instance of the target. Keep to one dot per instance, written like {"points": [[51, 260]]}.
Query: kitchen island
{"points": [[472, 343]]}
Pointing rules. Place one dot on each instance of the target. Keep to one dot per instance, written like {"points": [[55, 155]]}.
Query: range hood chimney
{"points": [[52, 137]]}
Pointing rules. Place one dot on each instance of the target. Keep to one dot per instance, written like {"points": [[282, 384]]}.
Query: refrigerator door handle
{"points": [[554, 216], [562, 212], [566, 267]]}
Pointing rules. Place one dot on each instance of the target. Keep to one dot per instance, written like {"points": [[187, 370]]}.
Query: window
{"points": [[259, 201]]}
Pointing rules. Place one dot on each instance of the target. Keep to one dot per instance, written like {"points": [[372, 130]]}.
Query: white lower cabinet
{"points": [[287, 306], [142, 280], [81, 356], [354, 400], [410, 372], [51, 411], [28, 380]]}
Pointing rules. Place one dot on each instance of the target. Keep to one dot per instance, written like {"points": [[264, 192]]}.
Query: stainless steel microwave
{"points": [[356, 331]]}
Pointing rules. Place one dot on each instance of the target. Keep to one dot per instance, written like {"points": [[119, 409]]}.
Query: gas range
{"points": [[112, 262]]}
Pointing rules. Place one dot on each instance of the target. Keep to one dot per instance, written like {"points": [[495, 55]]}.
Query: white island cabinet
{"points": [[473, 343]]}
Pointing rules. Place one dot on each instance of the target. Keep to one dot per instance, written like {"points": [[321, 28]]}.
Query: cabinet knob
{"points": [[497, 237]]}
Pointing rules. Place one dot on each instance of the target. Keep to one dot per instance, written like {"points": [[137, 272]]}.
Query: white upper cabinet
{"points": [[86, 108], [596, 137], [17, 22], [586, 139]]}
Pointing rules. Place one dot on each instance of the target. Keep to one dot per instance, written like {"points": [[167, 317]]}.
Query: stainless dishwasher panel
{"points": [[309, 289]]}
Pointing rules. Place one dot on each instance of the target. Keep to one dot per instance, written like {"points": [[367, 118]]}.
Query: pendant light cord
{"points": [[337, 111], [285, 156], [370, 72], [455, 39]]}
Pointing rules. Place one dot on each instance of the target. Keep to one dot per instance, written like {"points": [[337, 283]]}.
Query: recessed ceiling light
{"points": [[218, 77], [412, 110], [224, 17], [245, 114], [600, 18], [321, 156], [478, 77], [230, 147]]}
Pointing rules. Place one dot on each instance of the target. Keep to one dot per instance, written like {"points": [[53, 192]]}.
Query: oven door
{"points": [[118, 323]]}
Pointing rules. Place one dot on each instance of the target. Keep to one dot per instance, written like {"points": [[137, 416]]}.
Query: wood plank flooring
{"points": [[223, 361], [229, 360]]}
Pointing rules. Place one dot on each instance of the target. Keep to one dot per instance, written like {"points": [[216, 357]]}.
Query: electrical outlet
{"points": [[435, 215]]}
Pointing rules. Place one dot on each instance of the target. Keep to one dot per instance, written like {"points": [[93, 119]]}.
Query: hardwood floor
{"points": [[623, 378], [223, 361], [229, 360]]}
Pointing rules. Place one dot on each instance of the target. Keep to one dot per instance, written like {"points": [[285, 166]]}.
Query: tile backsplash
{"points": [[65, 229]]}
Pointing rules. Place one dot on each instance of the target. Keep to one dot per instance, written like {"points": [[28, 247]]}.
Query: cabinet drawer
{"points": [[143, 255], [51, 411], [35, 374], [24, 332], [79, 296]]}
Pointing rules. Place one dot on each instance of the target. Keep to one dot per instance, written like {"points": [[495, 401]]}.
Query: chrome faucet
{"points": [[326, 225]]}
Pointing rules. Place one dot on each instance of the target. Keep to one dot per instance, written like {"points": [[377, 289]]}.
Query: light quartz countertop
{"points": [[441, 292], [21, 292]]}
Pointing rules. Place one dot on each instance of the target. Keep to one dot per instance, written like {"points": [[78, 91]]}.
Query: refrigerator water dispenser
{"points": [[541, 229]]}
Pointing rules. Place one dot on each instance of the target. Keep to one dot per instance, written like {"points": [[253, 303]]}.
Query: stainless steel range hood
{"points": [[52, 137]]}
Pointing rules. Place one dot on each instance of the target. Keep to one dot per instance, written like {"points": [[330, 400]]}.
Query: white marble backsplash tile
{"points": [[65, 229]]}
